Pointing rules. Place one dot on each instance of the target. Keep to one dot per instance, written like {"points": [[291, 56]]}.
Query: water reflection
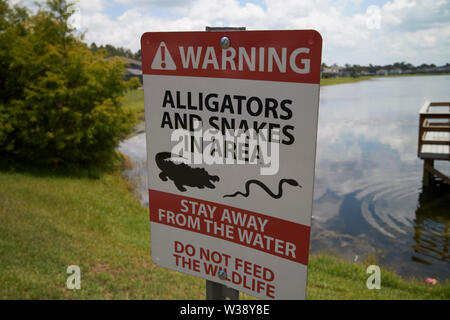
{"points": [[135, 149], [368, 195], [432, 224]]}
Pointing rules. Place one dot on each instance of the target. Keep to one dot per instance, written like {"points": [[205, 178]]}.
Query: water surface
{"points": [[369, 196]]}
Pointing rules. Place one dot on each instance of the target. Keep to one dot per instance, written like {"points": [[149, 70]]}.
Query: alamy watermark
{"points": [[374, 280], [242, 147], [74, 280], [373, 14]]}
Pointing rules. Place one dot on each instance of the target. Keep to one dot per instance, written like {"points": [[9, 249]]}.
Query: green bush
{"points": [[60, 104]]}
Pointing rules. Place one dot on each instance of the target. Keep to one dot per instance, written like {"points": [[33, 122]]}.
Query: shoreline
{"points": [[343, 80]]}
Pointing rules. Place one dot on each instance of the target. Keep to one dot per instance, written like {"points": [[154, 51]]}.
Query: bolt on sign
{"points": [[231, 124]]}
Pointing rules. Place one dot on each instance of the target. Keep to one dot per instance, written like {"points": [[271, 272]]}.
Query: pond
{"points": [[369, 200]]}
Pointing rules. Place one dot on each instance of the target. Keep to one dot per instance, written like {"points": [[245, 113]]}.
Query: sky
{"points": [[353, 31]]}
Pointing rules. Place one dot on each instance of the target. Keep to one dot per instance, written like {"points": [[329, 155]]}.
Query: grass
{"points": [[333, 278], [49, 221], [134, 102], [331, 81], [413, 75]]}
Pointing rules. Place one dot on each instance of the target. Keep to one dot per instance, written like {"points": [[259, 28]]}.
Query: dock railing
{"points": [[434, 131], [434, 136]]}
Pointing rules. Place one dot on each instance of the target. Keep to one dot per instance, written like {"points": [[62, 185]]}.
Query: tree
{"points": [[93, 47], [111, 51], [356, 70], [59, 103], [138, 55]]}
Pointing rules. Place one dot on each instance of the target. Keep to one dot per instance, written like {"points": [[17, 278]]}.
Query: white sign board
{"points": [[231, 140]]}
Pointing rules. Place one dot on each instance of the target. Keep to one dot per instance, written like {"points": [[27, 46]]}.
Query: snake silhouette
{"points": [[292, 182]]}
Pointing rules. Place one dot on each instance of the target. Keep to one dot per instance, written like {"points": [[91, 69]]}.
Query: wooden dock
{"points": [[434, 137]]}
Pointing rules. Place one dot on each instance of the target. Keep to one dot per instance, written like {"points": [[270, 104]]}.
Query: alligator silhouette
{"points": [[183, 175]]}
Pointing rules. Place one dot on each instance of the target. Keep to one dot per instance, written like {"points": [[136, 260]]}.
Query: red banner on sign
{"points": [[258, 231], [288, 55]]}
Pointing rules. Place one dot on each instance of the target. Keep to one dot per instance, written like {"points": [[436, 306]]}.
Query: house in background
{"points": [[133, 68], [396, 71], [332, 71]]}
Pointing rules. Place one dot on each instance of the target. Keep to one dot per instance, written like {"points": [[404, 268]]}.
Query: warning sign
{"points": [[163, 60], [231, 140]]}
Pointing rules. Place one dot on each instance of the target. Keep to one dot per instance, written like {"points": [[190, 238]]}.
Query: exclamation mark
{"points": [[163, 58]]}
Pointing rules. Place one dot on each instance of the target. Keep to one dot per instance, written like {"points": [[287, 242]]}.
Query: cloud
{"points": [[414, 31], [156, 3], [90, 5], [415, 15]]}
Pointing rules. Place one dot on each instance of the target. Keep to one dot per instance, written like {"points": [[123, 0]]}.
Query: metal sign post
{"points": [[217, 291], [214, 290]]}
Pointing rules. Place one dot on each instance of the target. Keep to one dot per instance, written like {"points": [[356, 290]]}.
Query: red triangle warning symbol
{"points": [[163, 60]]}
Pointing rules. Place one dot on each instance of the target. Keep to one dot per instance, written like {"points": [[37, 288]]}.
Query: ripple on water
{"points": [[389, 207]]}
